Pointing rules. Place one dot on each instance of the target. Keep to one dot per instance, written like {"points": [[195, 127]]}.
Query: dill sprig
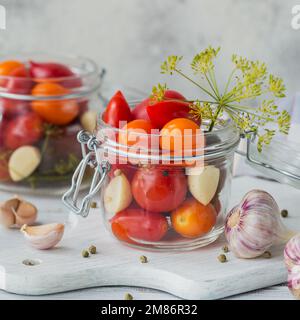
{"points": [[247, 81]]}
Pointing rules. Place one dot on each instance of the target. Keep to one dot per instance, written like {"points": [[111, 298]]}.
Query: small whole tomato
{"points": [[48, 70], [8, 66], [26, 129], [164, 111], [140, 110], [4, 172], [117, 111], [192, 219], [3, 123], [139, 224], [180, 134], [10, 108], [159, 190], [53, 70], [58, 112], [19, 81], [136, 133]]}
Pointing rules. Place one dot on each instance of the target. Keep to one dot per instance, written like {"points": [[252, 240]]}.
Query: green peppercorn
{"points": [[284, 213], [128, 296], [222, 258], [225, 249], [92, 249], [143, 259], [94, 205], [267, 255], [85, 253]]}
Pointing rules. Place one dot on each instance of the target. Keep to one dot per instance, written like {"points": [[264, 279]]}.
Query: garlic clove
{"points": [[292, 253], [89, 120], [7, 218], [44, 236], [117, 195], [26, 213], [294, 281], [7, 212], [203, 183], [23, 162]]}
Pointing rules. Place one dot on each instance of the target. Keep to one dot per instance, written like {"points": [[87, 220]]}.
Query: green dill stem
{"points": [[211, 85], [189, 101], [249, 112], [229, 80], [215, 118], [213, 78], [196, 84]]}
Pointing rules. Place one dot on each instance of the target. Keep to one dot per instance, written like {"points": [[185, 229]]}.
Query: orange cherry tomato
{"points": [[135, 132], [180, 134], [192, 219], [58, 112], [7, 67]]}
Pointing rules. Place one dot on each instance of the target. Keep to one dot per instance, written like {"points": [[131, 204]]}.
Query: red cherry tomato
{"points": [[4, 157], [10, 108], [19, 81], [52, 70], [163, 112], [159, 190], [117, 111], [48, 70], [140, 110], [138, 224], [24, 130], [59, 112], [3, 124]]}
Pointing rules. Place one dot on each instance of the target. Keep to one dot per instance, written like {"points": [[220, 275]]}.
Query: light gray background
{"points": [[132, 37]]}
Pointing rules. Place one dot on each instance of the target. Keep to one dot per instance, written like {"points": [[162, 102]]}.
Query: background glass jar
{"points": [[45, 100], [153, 201]]}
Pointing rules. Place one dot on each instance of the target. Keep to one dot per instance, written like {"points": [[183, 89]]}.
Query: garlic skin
{"points": [[15, 212], [7, 216], [254, 225], [43, 237], [292, 253]]}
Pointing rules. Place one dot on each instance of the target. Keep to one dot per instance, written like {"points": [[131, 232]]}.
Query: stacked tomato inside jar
{"points": [[39, 121], [161, 201]]}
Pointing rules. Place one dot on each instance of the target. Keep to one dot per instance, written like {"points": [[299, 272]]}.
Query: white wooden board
{"points": [[191, 275]]}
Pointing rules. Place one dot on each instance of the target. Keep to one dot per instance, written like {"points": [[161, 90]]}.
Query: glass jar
{"points": [[40, 116], [157, 200]]}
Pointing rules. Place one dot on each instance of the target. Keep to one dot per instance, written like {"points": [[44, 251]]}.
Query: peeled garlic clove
{"points": [[26, 213], [45, 236], [294, 281], [23, 162], [254, 225], [203, 183], [117, 195], [89, 120]]}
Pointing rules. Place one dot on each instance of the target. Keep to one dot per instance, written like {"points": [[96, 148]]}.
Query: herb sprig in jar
{"points": [[247, 81]]}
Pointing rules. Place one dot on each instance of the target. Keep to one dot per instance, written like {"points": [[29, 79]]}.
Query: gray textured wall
{"points": [[132, 37]]}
